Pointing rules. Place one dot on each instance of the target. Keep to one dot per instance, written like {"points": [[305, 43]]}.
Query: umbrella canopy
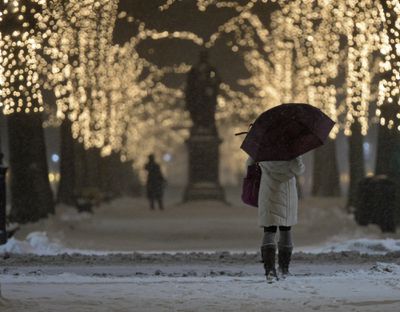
{"points": [[287, 131]]}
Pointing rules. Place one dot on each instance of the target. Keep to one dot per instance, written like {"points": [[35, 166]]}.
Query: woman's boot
{"points": [[268, 258], [284, 257]]}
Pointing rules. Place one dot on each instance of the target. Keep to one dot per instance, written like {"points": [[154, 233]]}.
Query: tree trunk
{"points": [[131, 185], [111, 169], [80, 167], [108, 177], [94, 174], [326, 174], [66, 187], [356, 164], [388, 149], [88, 173], [388, 154], [31, 196], [121, 179]]}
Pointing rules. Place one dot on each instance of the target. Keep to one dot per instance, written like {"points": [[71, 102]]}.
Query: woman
{"points": [[277, 208]]}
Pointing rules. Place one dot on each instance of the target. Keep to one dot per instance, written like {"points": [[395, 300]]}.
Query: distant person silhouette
{"points": [[155, 183]]}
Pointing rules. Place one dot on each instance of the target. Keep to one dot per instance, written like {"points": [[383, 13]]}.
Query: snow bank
{"points": [[35, 243], [38, 243], [363, 246]]}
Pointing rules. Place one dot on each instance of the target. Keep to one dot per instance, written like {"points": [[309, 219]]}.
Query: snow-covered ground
{"points": [[127, 225], [125, 257], [375, 288]]}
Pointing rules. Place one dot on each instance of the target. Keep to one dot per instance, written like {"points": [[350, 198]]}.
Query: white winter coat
{"points": [[277, 199]]}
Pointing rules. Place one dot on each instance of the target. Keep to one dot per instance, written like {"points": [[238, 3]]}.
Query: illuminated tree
{"points": [[22, 25], [60, 57], [81, 72], [308, 37], [388, 153], [316, 42], [360, 25], [296, 61], [110, 99], [325, 36], [80, 37]]}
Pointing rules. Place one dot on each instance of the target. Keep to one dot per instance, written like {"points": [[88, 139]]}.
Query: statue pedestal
{"points": [[203, 152]]}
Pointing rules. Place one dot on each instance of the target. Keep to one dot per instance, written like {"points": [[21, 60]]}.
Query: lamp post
{"points": [[3, 171]]}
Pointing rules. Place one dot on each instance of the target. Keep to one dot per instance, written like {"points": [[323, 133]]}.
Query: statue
{"points": [[203, 145], [201, 93]]}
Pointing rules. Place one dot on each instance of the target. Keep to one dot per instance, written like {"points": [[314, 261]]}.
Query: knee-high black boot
{"points": [[268, 257], [284, 257]]}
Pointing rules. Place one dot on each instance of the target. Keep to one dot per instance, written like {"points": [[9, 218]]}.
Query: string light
{"points": [[389, 86], [20, 41], [315, 29], [116, 100], [359, 22]]}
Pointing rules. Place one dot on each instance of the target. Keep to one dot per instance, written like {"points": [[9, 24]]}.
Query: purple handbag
{"points": [[251, 185]]}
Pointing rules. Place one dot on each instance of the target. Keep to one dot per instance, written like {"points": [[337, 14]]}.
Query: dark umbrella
{"points": [[287, 131]]}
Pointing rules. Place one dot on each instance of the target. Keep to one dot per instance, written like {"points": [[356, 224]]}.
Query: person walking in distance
{"points": [[155, 183], [277, 208]]}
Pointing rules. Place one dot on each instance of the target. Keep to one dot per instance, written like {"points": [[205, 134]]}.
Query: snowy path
{"points": [[65, 265], [199, 282], [128, 225], [376, 288]]}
